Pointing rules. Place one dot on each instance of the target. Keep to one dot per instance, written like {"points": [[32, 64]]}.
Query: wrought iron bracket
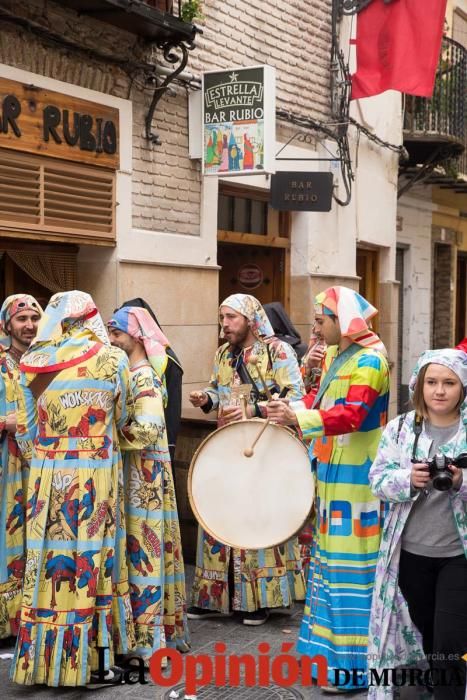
{"points": [[304, 137], [173, 53], [438, 157], [352, 7]]}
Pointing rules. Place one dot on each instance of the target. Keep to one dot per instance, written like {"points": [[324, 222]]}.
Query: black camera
{"points": [[439, 472]]}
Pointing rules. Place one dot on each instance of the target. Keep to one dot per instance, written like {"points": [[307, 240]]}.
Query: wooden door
{"points": [[367, 270], [461, 297], [256, 270]]}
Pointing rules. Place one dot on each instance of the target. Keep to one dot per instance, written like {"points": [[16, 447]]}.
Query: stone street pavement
{"points": [[238, 638]]}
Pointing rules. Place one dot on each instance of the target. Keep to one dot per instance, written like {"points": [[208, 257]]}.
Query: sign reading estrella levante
{"points": [[239, 121]]}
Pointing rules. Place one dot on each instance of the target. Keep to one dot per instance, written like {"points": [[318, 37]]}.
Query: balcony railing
{"points": [[440, 122], [155, 20], [172, 7]]}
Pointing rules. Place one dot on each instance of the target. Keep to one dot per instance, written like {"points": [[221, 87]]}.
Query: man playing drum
{"points": [[345, 422], [226, 578]]}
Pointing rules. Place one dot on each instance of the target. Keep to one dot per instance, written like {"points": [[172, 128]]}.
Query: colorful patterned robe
{"points": [[75, 596], [394, 640], [264, 578], [346, 432], [13, 489], [155, 560]]}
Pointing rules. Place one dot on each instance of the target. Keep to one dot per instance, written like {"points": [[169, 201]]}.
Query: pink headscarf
{"points": [[139, 323], [354, 313]]}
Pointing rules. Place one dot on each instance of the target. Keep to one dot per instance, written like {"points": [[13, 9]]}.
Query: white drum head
{"points": [[251, 502]]}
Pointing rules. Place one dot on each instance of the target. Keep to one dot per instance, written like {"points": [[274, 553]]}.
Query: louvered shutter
{"points": [[48, 195]]}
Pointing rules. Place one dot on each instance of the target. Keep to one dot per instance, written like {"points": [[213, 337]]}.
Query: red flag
{"points": [[398, 47]]}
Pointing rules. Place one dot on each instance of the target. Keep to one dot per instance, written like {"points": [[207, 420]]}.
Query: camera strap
{"points": [[417, 428]]}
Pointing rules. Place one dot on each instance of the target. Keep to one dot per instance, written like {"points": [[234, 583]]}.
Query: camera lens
{"points": [[442, 482]]}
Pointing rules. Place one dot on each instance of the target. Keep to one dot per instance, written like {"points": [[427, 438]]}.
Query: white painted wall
{"points": [[416, 213]]}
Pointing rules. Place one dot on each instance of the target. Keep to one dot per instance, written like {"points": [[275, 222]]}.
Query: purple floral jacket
{"points": [[393, 638]]}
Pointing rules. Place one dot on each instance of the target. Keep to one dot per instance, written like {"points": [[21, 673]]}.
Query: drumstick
{"points": [[249, 451], [254, 360]]}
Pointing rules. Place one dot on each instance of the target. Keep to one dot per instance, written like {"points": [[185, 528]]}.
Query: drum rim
{"points": [[199, 519]]}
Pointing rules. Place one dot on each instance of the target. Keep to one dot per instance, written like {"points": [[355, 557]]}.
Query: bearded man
{"points": [[19, 318], [259, 579]]}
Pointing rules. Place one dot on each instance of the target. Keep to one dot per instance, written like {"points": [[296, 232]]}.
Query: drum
{"points": [[251, 502]]}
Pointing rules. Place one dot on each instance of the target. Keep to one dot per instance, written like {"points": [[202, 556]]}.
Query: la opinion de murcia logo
{"points": [[236, 93]]}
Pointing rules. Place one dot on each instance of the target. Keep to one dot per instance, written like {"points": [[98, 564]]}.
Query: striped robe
{"points": [[346, 432]]}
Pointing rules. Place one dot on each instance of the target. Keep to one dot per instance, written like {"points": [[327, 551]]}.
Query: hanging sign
{"points": [[239, 121], [301, 191], [35, 120]]}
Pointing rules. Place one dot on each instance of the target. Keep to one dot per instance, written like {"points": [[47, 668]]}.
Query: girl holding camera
{"points": [[419, 607]]}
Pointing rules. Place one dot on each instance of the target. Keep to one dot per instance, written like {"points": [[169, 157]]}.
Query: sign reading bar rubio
{"points": [[239, 120], [300, 191], [35, 120]]}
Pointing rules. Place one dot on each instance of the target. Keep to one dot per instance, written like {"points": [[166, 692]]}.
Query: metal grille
{"points": [[444, 112], [240, 693]]}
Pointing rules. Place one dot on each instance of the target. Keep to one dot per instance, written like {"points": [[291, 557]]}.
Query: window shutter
{"points": [[19, 190], [48, 195]]}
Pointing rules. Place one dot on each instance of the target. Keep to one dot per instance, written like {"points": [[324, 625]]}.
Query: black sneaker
{"points": [[195, 613], [258, 617], [112, 677], [281, 611]]}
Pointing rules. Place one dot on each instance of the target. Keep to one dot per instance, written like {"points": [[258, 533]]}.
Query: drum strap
{"points": [[333, 370], [246, 378]]}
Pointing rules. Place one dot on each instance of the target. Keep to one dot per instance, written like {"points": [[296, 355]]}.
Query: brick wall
{"points": [[166, 183], [289, 37], [23, 49], [292, 36]]}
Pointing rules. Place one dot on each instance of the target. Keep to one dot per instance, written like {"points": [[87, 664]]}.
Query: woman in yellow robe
{"points": [[76, 611]]}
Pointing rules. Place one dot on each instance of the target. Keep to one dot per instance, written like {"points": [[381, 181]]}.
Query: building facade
{"points": [[432, 208], [102, 188], [166, 232]]}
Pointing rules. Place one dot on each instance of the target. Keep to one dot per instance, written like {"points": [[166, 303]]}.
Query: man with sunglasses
{"points": [[19, 317]]}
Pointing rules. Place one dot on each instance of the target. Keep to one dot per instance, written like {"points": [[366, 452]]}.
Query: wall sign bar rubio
{"points": [[239, 121], [34, 120]]}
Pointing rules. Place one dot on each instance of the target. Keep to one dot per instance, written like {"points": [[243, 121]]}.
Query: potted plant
{"points": [[191, 10]]}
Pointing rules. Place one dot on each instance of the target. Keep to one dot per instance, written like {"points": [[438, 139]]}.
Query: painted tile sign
{"points": [[239, 121]]}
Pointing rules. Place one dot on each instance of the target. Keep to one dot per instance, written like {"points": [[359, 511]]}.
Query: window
{"points": [[242, 215], [49, 195]]}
